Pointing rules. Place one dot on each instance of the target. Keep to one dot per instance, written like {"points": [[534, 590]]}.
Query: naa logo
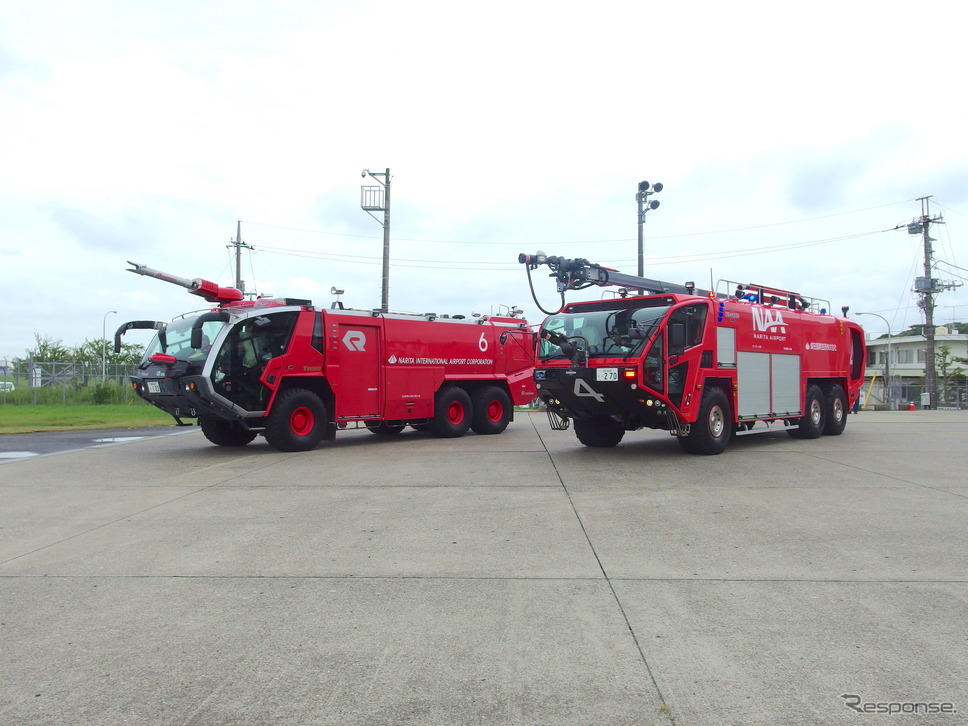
{"points": [[767, 320]]}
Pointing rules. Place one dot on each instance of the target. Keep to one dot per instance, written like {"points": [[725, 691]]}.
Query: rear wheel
{"points": [[836, 419], [225, 433], [297, 421], [452, 413], [713, 428], [599, 431], [811, 425], [491, 408]]}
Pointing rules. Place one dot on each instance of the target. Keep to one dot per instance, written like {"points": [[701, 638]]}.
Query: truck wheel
{"points": [[452, 413], [491, 410], [814, 419], [836, 418], [713, 429], [386, 428], [599, 431], [225, 433], [297, 421]]}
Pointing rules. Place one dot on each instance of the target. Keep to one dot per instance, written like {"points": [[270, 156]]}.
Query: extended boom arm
{"points": [[579, 273], [203, 288]]}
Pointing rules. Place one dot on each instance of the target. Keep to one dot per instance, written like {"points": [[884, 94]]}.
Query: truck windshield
{"points": [[178, 336], [603, 333]]}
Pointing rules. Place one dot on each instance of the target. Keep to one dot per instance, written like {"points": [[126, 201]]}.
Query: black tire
{"points": [[812, 424], [386, 428], [297, 421], [491, 410], [599, 431], [713, 429], [225, 433], [452, 413], [836, 414]]}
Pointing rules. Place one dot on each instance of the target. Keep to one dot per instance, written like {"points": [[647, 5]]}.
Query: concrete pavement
{"points": [[512, 579]]}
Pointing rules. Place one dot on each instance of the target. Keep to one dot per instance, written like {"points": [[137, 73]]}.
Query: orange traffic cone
{"points": [[911, 406]]}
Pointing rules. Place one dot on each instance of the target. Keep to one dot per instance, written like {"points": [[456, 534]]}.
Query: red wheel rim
{"points": [[455, 412], [495, 411], [302, 421]]}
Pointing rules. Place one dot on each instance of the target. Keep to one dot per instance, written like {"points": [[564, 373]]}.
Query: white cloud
{"points": [[144, 132]]}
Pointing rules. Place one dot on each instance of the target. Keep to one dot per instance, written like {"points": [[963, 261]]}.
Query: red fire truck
{"points": [[703, 365], [296, 374]]}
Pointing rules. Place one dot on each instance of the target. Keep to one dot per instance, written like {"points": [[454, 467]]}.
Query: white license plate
{"points": [[606, 374], [154, 387]]}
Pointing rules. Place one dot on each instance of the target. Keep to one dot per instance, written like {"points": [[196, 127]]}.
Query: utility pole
{"points": [[238, 244], [377, 199], [927, 287]]}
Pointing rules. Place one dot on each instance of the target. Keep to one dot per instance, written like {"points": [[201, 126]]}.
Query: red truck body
{"points": [[703, 365], [297, 374]]}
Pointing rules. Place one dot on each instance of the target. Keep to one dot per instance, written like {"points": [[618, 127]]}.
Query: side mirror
{"points": [[197, 337]]}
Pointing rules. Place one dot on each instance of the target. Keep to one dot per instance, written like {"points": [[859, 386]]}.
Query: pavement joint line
{"points": [[86, 532], [492, 578], [665, 708], [888, 476]]}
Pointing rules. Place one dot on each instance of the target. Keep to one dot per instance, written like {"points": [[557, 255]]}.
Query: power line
{"points": [[584, 242], [444, 263]]}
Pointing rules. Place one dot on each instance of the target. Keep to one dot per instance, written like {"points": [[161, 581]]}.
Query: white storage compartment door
{"points": [[753, 384], [726, 346], [786, 384]]}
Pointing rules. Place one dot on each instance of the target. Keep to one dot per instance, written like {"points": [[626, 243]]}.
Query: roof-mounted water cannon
{"points": [[211, 291]]}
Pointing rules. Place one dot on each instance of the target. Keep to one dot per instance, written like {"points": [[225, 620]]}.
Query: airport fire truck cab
{"points": [[296, 374], [702, 365]]}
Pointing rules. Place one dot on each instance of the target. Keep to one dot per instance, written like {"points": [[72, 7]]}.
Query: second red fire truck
{"points": [[297, 374], [703, 365]]}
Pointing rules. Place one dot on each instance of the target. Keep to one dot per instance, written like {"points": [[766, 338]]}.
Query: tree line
{"points": [[93, 352]]}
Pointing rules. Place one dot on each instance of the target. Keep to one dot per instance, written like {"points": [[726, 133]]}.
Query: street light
{"points": [[104, 346], [887, 365]]}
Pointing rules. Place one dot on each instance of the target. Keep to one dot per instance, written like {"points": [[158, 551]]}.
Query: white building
{"points": [[906, 370]]}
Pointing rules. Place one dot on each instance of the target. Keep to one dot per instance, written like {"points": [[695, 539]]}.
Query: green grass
{"points": [[31, 419]]}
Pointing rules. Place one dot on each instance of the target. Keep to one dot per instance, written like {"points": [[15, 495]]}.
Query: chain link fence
{"points": [[901, 394], [33, 382]]}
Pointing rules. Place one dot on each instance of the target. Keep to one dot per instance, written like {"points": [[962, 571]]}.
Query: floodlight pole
{"points": [[642, 198], [372, 203]]}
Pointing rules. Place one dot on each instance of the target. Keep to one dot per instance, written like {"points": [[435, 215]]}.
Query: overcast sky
{"points": [[792, 138]]}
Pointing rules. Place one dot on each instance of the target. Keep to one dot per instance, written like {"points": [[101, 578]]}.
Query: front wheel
{"points": [[452, 413], [713, 429], [599, 431], [812, 424], [297, 421], [225, 433], [491, 410]]}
